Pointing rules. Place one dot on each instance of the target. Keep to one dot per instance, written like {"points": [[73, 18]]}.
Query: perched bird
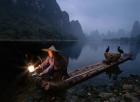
{"points": [[107, 50], [111, 57], [120, 50]]}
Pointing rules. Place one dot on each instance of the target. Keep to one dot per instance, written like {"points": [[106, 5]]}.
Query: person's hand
{"points": [[40, 74], [34, 74], [38, 67]]}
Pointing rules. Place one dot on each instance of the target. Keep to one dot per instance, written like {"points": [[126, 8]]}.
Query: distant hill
{"points": [[135, 32], [94, 36], [36, 20]]}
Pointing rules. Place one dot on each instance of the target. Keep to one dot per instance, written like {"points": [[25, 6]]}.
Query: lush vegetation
{"points": [[31, 20]]}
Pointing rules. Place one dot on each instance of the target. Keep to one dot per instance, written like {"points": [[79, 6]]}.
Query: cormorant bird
{"points": [[111, 57], [107, 50], [120, 50]]}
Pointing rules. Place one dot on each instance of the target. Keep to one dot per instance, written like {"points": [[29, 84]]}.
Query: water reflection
{"points": [[134, 49], [113, 72], [73, 51]]}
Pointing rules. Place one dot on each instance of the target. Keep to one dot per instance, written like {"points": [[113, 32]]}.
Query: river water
{"points": [[15, 56]]}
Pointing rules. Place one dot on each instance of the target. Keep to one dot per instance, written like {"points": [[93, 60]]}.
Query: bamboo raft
{"points": [[83, 74]]}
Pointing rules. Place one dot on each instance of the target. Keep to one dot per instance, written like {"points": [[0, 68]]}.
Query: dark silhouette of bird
{"points": [[120, 50], [107, 50], [112, 57]]}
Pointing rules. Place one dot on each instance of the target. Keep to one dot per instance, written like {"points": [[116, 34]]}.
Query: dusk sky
{"points": [[103, 15]]}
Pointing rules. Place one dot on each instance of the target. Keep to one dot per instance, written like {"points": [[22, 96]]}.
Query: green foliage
{"points": [[25, 28], [27, 20]]}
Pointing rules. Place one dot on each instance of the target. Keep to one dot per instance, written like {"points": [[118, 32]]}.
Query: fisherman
{"points": [[54, 67]]}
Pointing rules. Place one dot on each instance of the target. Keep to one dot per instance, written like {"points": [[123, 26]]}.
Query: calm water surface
{"points": [[16, 56]]}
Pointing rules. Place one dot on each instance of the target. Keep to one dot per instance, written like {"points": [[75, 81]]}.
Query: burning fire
{"points": [[31, 68]]}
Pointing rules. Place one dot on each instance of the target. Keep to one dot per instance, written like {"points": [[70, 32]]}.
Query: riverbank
{"points": [[126, 89]]}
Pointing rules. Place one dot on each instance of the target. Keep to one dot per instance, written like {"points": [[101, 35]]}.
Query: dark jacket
{"points": [[60, 68]]}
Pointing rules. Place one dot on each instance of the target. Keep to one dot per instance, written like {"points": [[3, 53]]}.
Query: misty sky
{"points": [[103, 15]]}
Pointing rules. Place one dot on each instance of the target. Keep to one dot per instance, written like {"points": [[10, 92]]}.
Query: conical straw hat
{"points": [[52, 48]]}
